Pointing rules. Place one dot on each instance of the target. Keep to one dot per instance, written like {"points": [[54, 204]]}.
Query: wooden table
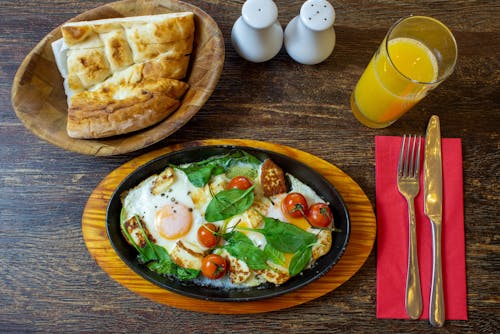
{"points": [[49, 282]]}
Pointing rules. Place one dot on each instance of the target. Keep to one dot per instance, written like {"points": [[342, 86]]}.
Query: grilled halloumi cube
{"points": [[274, 275], [239, 271], [187, 256], [133, 228], [323, 244], [163, 181], [272, 179]]}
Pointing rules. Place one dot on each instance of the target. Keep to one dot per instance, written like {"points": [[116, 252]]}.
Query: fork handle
{"points": [[413, 300], [436, 305]]}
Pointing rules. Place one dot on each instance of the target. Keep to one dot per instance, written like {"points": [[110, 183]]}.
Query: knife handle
{"points": [[413, 301], [436, 307]]}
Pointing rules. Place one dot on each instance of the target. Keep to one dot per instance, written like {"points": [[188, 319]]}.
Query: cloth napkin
{"points": [[392, 233]]}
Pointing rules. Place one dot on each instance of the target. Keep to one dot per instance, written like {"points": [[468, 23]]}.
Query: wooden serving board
{"points": [[363, 232]]}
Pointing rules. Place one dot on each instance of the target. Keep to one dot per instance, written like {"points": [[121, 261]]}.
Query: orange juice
{"points": [[392, 84]]}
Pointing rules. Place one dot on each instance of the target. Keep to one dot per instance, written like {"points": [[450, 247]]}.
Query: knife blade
{"points": [[433, 199]]}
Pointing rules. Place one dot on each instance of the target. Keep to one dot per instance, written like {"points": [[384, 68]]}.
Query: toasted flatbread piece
{"points": [[104, 113], [120, 71]]}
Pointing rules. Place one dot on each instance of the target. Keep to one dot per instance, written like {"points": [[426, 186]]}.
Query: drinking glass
{"points": [[416, 55]]}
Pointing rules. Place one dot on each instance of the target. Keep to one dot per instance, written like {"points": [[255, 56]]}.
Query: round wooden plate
{"points": [[363, 232], [40, 102]]}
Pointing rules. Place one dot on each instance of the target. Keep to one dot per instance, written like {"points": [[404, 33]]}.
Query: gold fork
{"points": [[409, 187]]}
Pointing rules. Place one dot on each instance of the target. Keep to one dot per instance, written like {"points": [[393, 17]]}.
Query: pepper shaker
{"points": [[310, 37], [257, 35]]}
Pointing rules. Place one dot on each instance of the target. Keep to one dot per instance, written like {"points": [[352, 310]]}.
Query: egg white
{"points": [[140, 201]]}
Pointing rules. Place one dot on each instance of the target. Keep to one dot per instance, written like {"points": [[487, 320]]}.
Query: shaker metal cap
{"points": [[317, 15], [259, 14]]}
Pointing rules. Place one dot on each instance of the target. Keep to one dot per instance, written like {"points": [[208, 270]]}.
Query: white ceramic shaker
{"points": [[257, 35], [310, 37]]}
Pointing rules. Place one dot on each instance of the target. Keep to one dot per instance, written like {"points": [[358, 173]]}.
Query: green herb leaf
{"points": [[300, 260], [274, 255], [199, 173], [187, 273], [245, 157], [163, 267], [229, 203], [241, 247], [246, 170], [285, 237], [167, 267]]}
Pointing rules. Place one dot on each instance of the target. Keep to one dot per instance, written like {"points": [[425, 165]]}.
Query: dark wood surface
{"points": [[49, 282]]}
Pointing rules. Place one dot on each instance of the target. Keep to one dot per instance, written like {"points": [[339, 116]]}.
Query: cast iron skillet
{"points": [[304, 173]]}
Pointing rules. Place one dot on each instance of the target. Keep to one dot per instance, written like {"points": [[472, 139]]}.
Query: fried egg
{"points": [[170, 216]]}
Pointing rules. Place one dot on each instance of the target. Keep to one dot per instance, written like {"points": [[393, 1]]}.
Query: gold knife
{"points": [[433, 199]]}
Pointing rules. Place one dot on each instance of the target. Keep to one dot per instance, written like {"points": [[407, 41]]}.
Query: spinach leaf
{"points": [[187, 273], [228, 203], [246, 170], [274, 255], [246, 157], [199, 173], [284, 237], [162, 267], [300, 260], [241, 247], [168, 267]]}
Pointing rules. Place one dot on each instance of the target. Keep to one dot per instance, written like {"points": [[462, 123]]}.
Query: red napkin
{"points": [[392, 234]]}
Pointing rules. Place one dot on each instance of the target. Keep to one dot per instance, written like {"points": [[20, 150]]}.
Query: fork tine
{"points": [[407, 158], [401, 153], [413, 141], [417, 165]]}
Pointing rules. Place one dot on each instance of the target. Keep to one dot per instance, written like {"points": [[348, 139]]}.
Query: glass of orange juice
{"points": [[417, 54]]}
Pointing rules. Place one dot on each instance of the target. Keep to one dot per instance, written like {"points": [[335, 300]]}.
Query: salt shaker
{"points": [[310, 37], [257, 35]]}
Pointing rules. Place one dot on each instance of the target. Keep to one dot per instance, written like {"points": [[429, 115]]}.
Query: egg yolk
{"points": [[173, 221]]}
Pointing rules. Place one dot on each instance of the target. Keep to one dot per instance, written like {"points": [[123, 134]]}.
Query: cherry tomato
{"points": [[213, 266], [239, 182], [207, 235], [319, 215], [294, 205]]}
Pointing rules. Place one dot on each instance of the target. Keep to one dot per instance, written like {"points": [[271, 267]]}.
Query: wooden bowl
{"points": [[40, 102]]}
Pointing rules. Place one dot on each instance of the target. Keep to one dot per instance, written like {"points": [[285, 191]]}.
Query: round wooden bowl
{"points": [[40, 102]]}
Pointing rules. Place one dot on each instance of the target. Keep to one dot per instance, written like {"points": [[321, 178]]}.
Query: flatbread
{"points": [[123, 74]]}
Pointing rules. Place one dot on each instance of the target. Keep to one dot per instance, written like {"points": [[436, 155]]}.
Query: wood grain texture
{"points": [[40, 102], [49, 283], [362, 237]]}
